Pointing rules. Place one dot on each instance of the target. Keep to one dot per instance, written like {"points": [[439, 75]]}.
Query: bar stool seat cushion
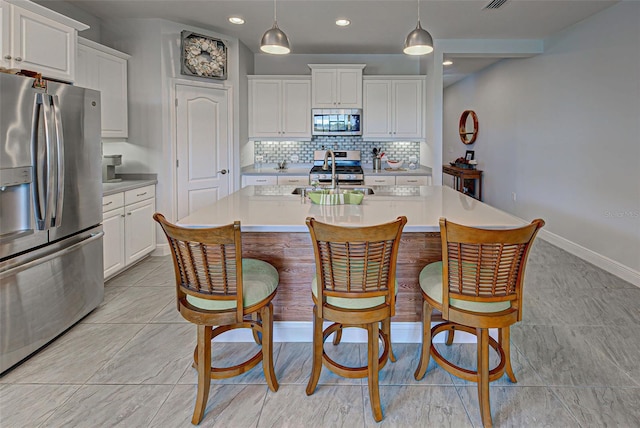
{"points": [[259, 280], [350, 303], [431, 283]]}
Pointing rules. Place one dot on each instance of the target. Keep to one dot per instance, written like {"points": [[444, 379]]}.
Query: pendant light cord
{"points": [[275, 14], [418, 10]]}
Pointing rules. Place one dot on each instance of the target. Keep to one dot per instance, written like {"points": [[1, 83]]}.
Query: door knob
{"points": [[18, 58], [7, 57], [223, 172]]}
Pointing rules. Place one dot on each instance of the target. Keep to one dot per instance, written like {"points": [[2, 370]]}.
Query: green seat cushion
{"points": [[259, 280], [431, 284], [350, 303]]}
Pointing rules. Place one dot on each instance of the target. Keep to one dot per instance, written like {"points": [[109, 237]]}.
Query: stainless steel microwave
{"points": [[336, 121]]}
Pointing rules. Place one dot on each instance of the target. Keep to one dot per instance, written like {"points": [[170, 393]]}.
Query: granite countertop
{"points": [[276, 209], [303, 169], [129, 182]]}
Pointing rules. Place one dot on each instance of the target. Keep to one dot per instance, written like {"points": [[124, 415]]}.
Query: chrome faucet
{"points": [[325, 166]]}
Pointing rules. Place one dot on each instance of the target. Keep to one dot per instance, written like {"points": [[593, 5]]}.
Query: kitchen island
{"points": [[274, 230]]}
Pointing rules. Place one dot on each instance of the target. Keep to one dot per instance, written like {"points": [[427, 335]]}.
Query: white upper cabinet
{"points": [[393, 108], [279, 107], [336, 86], [105, 70], [38, 39]]}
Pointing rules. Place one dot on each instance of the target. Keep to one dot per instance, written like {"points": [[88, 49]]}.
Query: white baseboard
{"points": [[603, 262], [161, 250], [302, 331]]}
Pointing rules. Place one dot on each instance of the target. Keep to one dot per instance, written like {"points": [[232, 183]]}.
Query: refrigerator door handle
{"points": [[42, 159], [19, 268], [57, 220], [51, 164]]}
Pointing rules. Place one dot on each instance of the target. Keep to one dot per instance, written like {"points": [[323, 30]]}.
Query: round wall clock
{"points": [[468, 126], [203, 56]]}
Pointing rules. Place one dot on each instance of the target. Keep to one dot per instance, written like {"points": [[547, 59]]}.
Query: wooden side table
{"points": [[465, 180]]}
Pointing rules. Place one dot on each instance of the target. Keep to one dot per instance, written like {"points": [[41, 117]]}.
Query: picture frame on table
{"points": [[469, 155], [203, 56]]}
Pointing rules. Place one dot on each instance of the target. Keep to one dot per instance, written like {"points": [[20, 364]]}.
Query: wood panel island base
{"points": [[291, 254], [274, 230]]}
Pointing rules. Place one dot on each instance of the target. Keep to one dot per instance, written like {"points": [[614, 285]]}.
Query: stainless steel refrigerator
{"points": [[51, 268]]}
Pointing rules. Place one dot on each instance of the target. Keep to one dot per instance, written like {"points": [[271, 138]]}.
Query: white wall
{"points": [[154, 68], [561, 131]]}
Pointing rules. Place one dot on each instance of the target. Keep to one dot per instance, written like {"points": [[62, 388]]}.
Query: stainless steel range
{"points": [[348, 167]]}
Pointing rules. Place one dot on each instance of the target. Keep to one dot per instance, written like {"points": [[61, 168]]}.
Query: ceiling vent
{"points": [[495, 4]]}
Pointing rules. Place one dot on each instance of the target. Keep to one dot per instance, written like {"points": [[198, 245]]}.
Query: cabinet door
{"points": [[296, 109], [298, 180], [86, 68], [265, 106], [381, 180], [323, 90], [259, 180], [413, 180], [5, 31], [112, 83], [140, 231], [113, 241], [43, 45], [377, 109], [407, 108], [349, 88]]}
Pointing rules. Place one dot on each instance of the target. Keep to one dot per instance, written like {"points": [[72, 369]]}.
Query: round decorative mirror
{"points": [[468, 126]]}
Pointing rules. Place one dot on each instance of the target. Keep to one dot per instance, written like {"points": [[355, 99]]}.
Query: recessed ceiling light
{"points": [[236, 20], [447, 62], [342, 22]]}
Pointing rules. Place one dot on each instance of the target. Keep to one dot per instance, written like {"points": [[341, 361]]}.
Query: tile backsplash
{"points": [[274, 151]]}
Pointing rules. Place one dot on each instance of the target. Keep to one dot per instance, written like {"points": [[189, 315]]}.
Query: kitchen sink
{"points": [[365, 190]]}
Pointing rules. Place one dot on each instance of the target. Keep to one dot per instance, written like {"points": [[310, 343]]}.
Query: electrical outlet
{"points": [[513, 196]]}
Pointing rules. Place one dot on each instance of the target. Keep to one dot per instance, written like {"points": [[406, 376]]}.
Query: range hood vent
{"points": [[495, 4]]}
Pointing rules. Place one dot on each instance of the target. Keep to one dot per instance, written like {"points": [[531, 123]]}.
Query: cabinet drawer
{"points": [[291, 179], [112, 202], [140, 194], [383, 180], [260, 180], [412, 180]]}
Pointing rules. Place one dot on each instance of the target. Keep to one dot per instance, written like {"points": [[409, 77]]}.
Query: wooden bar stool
{"points": [[354, 286], [216, 287], [477, 286]]}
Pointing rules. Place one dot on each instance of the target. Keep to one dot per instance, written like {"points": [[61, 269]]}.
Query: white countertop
{"points": [[124, 185], [275, 209]]}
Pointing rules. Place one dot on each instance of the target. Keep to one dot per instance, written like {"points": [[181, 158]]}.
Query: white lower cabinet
{"points": [[379, 180], [129, 229], [399, 180], [113, 227], [298, 180], [413, 180], [259, 180]]}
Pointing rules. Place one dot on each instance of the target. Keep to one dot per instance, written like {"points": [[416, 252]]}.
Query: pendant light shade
{"points": [[419, 41], [274, 41]]}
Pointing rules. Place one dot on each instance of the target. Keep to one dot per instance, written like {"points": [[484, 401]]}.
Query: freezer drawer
{"points": [[45, 292]]}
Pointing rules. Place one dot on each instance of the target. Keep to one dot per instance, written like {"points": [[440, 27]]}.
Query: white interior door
{"points": [[202, 139]]}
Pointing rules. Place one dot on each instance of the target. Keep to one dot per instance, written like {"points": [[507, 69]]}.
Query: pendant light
{"points": [[274, 41], [419, 41]]}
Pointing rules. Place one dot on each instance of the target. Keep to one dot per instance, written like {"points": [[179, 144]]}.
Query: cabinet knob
{"points": [[122, 215], [128, 213], [18, 58], [389, 132], [223, 171], [7, 57]]}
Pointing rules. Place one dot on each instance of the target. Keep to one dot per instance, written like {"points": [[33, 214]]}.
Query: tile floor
{"points": [[576, 355]]}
